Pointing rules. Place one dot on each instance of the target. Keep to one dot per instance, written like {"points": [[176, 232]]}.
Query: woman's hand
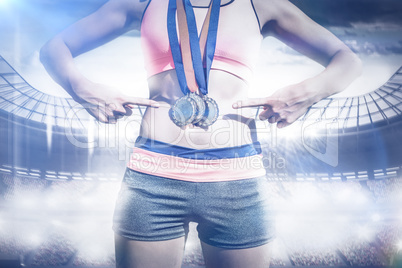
{"points": [[111, 20], [286, 105], [283, 20], [107, 104]]}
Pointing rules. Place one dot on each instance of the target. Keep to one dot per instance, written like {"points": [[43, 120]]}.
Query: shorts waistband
{"points": [[211, 165], [200, 154]]}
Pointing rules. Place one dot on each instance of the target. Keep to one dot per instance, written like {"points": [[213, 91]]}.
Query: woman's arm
{"points": [[111, 20], [286, 22]]}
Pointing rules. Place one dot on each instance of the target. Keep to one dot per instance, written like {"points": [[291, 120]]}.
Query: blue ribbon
{"points": [[201, 74]]}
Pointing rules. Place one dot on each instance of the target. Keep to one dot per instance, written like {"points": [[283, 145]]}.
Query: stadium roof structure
{"points": [[19, 98], [359, 134]]}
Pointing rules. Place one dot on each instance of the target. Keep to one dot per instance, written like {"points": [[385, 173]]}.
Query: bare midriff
{"points": [[234, 127]]}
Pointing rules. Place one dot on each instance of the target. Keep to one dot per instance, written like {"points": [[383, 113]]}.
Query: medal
{"points": [[188, 56], [200, 107], [183, 111], [211, 113]]}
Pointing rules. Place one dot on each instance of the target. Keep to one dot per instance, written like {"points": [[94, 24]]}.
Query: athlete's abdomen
{"points": [[233, 127]]}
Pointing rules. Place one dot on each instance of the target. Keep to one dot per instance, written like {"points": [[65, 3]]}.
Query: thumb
{"points": [[251, 102]]}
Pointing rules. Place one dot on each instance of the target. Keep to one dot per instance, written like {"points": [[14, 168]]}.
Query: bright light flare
{"points": [[95, 244], [30, 201], [34, 239], [360, 198], [293, 131], [94, 251], [4, 3], [365, 233], [309, 200], [399, 245], [376, 217], [344, 196], [53, 200]]}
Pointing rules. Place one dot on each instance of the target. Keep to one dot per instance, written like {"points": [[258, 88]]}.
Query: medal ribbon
{"points": [[185, 45], [193, 48]]}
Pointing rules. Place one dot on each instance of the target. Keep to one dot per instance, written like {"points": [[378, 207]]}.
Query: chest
{"points": [[235, 36]]}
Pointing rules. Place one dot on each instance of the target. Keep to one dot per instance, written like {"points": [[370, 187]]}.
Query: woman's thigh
{"points": [[234, 214], [151, 208], [148, 254], [256, 257]]}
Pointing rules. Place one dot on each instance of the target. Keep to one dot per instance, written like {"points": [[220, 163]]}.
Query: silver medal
{"points": [[200, 107], [183, 111], [211, 113]]}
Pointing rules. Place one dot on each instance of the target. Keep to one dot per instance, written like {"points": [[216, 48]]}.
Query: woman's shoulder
{"points": [[272, 8], [134, 9], [270, 3]]}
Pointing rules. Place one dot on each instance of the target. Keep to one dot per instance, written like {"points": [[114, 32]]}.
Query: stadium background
{"points": [[334, 176]]}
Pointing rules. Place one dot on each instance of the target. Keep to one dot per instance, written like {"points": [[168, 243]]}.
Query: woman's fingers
{"points": [[273, 118], [104, 113], [275, 111], [98, 114], [252, 102], [132, 101], [266, 113], [128, 112], [282, 124], [111, 112], [255, 102]]}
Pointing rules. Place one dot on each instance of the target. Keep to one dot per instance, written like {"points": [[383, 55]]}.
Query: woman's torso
{"points": [[237, 47]]}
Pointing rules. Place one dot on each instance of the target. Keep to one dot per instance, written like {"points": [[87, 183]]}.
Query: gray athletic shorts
{"points": [[230, 214]]}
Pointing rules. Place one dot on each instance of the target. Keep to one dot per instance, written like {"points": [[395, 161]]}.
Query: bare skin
{"points": [[278, 18], [140, 254], [236, 258]]}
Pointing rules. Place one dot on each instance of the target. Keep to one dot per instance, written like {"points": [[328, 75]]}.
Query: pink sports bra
{"points": [[238, 41]]}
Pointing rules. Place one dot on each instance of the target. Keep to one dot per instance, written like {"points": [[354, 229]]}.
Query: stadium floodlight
{"points": [[363, 176], [391, 173]]}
